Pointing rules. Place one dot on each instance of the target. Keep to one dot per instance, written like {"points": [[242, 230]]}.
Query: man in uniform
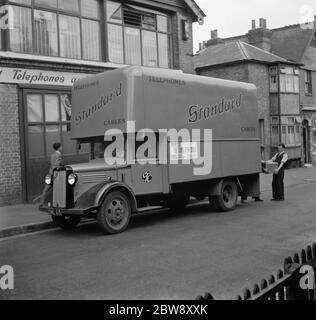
{"points": [[278, 176]]}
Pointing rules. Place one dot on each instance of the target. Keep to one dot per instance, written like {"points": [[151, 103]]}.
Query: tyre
{"points": [[115, 213], [227, 199], [66, 222]]}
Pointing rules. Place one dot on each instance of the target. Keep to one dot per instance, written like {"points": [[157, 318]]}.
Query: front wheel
{"points": [[66, 222], [115, 213], [227, 199]]}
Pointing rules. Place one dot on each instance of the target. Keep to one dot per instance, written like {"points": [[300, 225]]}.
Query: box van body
{"points": [[167, 136]]}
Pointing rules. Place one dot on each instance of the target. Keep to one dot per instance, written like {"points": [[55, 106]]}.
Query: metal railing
{"points": [[286, 285]]}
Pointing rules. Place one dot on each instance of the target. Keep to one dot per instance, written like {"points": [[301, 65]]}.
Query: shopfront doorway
{"points": [[46, 115]]}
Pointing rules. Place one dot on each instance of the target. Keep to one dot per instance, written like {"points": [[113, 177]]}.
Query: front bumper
{"points": [[63, 211]]}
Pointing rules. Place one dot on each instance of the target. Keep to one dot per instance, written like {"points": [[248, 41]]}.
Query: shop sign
{"points": [[38, 77]]}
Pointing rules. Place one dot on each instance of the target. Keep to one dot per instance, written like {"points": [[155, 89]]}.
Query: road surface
{"points": [[165, 255]]}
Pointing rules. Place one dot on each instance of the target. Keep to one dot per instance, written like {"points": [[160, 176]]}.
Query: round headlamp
{"points": [[48, 179], [72, 178]]}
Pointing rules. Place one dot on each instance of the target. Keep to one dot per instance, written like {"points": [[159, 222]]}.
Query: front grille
{"points": [[60, 189]]}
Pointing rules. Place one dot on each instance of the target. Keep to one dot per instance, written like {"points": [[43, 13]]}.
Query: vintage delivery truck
{"points": [[219, 164]]}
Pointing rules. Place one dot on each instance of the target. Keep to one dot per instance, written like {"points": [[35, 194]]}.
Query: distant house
{"points": [[298, 43], [249, 59]]}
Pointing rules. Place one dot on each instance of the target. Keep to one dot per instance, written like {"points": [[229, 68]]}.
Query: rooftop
{"points": [[234, 51]]}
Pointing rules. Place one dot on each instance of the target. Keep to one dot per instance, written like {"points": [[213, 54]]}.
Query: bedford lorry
{"points": [[221, 164]]}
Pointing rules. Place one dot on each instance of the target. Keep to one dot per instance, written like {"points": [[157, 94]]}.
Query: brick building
{"points": [[298, 43], [45, 45], [252, 58]]}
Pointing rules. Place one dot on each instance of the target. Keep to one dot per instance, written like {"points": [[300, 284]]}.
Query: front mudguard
{"points": [[93, 198]]}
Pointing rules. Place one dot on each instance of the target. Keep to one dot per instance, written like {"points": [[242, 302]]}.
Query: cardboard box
{"points": [[271, 166]]}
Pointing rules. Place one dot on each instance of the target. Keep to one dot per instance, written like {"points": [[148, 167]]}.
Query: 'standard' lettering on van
{"points": [[198, 113], [102, 102]]}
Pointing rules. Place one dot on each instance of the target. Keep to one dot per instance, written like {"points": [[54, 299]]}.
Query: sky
{"points": [[233, 17]]}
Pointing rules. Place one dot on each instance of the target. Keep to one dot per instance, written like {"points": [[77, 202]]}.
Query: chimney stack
{"points": [[260, 37], [262, 23], [214, 34], [214, 39]]}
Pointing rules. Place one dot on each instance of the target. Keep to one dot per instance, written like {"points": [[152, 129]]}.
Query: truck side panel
{"points": [[229, 158]]}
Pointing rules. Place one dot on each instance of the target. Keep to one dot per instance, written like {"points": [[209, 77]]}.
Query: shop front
{"points": [[44, 108]]}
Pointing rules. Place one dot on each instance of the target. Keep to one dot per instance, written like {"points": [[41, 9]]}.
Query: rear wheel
{"points": [[115, 213], [227, 199], [66, 222]]}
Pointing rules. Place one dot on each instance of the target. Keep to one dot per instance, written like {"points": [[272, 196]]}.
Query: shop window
{"points": [[69, 5], [21, 33], [132, 46], [36, 141], [52, 135], [163, 50], [48, 121], [60, 28], [46, 3], [162, 23], [51, 108], [115, 40], [65, 101], [45, 33], [149, 48], [90, 9], [114, 12], [308, 82], [142, 35], [69, 37], [26, 2], [34, 108], [91, 40]]}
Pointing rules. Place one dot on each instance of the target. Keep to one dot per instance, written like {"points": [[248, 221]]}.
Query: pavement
{"points": [[26, 218]]}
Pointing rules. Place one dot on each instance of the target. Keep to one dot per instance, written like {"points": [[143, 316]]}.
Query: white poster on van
{"points": [[186, 150], [38, 77]]}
